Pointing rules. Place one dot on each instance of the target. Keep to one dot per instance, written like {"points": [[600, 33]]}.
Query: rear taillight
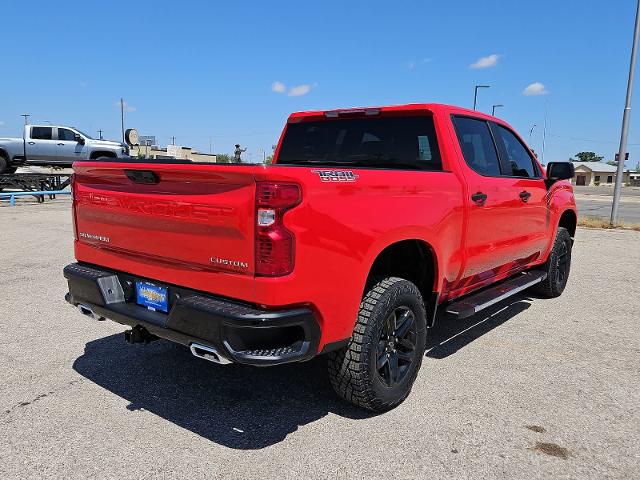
{"points": [[73, 206], [275, 245]]}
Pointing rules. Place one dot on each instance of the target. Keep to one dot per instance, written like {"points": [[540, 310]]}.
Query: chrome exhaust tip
{"points": [[87, 311], [208, 353]]}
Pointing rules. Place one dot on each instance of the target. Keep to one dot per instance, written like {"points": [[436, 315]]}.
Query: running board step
{"points": [[479, 301]]}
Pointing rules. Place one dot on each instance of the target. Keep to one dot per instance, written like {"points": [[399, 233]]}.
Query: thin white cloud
{"points": [[486, 62], [300, 90], [414, 63], [536, 88], [278, 87], [127, 107]]}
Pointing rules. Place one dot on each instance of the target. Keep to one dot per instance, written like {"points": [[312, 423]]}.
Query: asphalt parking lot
{"points": [[596, 202], [532, 388]]}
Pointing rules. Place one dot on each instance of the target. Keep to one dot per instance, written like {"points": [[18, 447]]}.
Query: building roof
{"points": [[598, 167]]}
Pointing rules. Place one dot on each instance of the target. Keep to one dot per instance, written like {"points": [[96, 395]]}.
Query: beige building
{"points": [[597, 173], [172, 151]]}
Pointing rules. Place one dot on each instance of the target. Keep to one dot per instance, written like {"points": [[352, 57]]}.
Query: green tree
{"points": [[223, 158], [586, 157], [269, 160], [638, 167]]}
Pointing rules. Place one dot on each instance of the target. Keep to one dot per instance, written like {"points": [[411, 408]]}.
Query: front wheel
{"points": [[4, 165], [557, 266], [376, 370]]}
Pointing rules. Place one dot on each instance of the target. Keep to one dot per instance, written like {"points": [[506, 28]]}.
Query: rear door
{"points": [[491, 203], [41, 145]]}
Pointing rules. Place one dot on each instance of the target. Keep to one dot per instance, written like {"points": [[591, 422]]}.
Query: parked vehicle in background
{"points": [[367, 223], [50, 145]]}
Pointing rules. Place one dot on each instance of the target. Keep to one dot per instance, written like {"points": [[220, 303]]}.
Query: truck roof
{"points": [[409, 107]]}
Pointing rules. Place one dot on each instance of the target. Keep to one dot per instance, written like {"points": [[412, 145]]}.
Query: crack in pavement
{"points": [[39, 397]]}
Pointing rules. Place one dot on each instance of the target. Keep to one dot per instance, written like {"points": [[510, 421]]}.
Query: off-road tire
{"points": [[354, 370], [557, 266], [4, 164]]}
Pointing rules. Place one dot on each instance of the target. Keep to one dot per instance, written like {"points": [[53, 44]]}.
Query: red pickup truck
{"points": [[368, 223]]}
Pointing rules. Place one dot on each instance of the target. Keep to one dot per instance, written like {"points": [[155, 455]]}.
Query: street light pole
{"points": [[122, 118], [544, 128], [625, 123], [475, 94], [493, 109]]}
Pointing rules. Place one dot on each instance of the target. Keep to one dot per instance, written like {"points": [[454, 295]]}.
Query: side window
{"points": [[66, 134], [41, 133], [477, 145], [514, 153]]}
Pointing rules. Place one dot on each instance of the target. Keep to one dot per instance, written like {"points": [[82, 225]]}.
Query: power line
{"points": [[580, 139]]}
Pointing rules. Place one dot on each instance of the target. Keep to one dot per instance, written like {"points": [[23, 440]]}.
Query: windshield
{"points": [[83, 134], [379, 142]]}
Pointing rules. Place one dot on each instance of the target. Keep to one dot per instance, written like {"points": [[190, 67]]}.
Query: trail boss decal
{"points": [[336, 175]]}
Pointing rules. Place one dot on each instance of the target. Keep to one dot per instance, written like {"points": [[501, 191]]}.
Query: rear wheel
{"points": [[376, 370], [557, 266]]}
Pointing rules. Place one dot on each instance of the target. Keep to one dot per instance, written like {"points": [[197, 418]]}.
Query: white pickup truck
{"points": [[50, 145]]}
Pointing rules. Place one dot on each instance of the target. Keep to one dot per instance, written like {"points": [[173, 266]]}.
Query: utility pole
{"points": [[100, 133], [544, 129], [26, 118], [122, 117], [625, 123], [475, 94], [173, 140]]}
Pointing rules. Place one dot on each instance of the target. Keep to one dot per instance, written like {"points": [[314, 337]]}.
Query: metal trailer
{"points": [[36, 184]]}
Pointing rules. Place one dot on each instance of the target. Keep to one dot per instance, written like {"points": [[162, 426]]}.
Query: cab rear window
{"points": [[376, 142]]}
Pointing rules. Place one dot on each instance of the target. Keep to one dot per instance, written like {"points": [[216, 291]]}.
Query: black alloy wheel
{"points": [[397, 346]]}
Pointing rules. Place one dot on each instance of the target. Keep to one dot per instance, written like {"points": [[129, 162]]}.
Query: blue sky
{"points": [[201, 70]]}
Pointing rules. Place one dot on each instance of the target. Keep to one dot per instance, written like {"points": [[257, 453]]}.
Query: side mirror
{"points": [[560, 171], [79, 138]]}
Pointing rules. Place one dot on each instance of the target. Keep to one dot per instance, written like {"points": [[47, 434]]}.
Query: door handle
{"points": [[479, 198], [31, 143], [61, 144], [524, 196]]}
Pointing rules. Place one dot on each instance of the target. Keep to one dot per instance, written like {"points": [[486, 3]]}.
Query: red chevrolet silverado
{"points": [[369, 222]]}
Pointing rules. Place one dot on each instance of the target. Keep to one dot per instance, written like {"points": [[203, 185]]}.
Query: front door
{"points": [[581, 180], [68, 148], [530, 220]]}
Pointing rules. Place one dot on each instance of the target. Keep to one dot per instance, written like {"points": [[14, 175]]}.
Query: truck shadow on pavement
{"points": [[244, 407], [450, 335], [237, 406]]}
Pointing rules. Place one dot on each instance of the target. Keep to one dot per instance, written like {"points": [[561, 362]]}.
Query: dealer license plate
{"points": [[152, 296]]}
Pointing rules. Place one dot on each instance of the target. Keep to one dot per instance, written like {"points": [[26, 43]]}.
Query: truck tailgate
{"points": [[186, 223]]}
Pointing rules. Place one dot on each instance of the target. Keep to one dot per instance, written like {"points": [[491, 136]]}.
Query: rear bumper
{"points": [[239, 332]]}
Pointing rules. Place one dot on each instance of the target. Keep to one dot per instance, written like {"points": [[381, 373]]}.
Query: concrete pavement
{"points": [[532, 388]]}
